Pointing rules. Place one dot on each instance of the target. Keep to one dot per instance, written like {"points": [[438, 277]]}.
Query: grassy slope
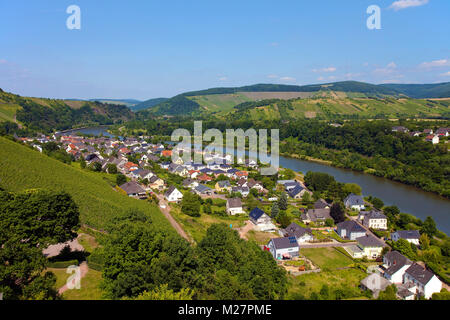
{"points": [[22, 168]]}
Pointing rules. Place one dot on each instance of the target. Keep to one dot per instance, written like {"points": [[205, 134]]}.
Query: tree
{"points": [[376, 202], [120, 179], [275, 210], [337, 212], [42, 218], [190, 205], [162, 292], [283, 202], [283, 219], [95, 166], [329, 222], [389, 293], [404, 247], [111, 168], [429, 227], [306, 199], [82, 164], [352, 188], [424, 241]]}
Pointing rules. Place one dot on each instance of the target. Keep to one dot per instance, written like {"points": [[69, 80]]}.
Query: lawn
{"points": [[327, 258], [196, 227], [261, 237], [338, 279], [89, 285]]}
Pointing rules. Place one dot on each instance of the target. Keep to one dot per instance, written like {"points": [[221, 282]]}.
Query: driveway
{"points": [[326, 244], [173, 222], [245, 229]]}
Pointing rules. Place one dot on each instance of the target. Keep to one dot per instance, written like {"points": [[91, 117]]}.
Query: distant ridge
{"points": [[422, 91], [147, 104]]}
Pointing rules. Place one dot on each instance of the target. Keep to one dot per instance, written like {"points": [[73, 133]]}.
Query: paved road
{"points": [[173, 222]]}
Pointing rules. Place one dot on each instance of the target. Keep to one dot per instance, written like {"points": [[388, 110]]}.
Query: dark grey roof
{"points": [[321, 204], [295, 191], [351, 226], [370, 241], [234, 203], [354, 200], [284, 243], [408, 234], [169, 191], [224, 184], [294, 230], [397, 261], [318, 214], [132, 187], [202, 189], [153, 179], [373, 214], [421, 274]]}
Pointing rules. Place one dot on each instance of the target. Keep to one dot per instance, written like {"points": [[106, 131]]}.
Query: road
{"points": [[173, 222]]}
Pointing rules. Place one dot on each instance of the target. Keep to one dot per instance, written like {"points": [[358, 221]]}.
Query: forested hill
{"points": [[422, 91], [46, 115], [221, 101]]}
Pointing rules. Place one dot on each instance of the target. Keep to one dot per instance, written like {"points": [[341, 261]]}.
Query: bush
{"points": [[62, 264]]}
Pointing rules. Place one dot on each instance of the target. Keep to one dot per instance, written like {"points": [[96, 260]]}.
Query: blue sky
{"points": [[146, 49]]}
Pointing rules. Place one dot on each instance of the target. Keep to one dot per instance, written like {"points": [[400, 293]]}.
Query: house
{"points": [[134, 190], [428, 131], [318, 216], [189, 183], [354, 202], [297, 192], [130, 166], [294, 230], [173, 194], [241, 174], [234, 206], [375, 283], [406, 291], [242, 183], [223, 186], [156, 183], [244, 191], [426, 281], [193, 173], [373, 219], [395, 265], [203, 190], [321, 204], [399, 129], [412, 236], [166, 153], [142, 174], [371, 246], [252, 184], [434, 139], [444, 132], [261, 220], [350, 230], [283, 248], [204, 178]]}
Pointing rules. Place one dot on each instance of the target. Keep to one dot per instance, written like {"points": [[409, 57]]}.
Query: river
{"points": [[407, 198]]}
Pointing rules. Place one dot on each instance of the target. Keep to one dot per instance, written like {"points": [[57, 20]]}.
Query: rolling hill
{"points": [[46, 115], [126, 102], [339, 96], [349, 99], [147, 104], [422, 91], [23, 168]]}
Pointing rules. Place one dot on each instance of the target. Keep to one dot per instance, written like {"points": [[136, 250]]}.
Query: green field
{"points": [[89, 289], [22, 168], [313, 282], [220, 103], [327, 258], [8, 112]]}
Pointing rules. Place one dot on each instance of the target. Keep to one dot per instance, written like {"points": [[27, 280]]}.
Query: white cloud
{"points": [[403, 4], [446, 74], [390, 68], [288, 79], [223, 79], [272, 76], [274, 44], [329, 69], [320, 78], [436, 63]]}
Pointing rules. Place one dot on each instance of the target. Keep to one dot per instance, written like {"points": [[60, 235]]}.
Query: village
{"points": [[282, 215]]}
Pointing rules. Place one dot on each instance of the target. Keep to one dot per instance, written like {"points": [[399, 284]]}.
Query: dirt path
{"points": [[83, 271], [245, 229], [173, 222]]}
